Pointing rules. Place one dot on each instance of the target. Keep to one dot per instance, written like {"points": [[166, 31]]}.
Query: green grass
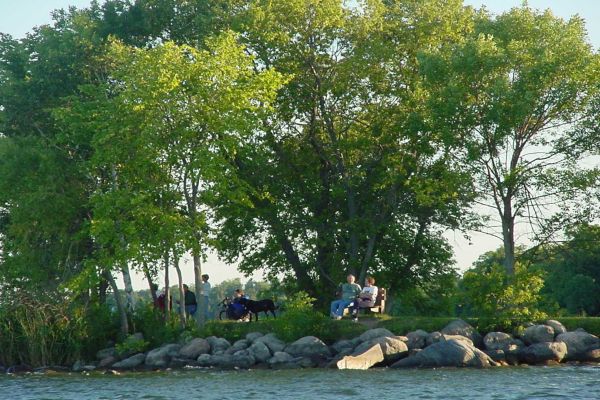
{"points": [[287, 330]]}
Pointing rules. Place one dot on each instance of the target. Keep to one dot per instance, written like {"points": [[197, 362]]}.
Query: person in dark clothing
{"points": [[190, 301], [160, 302]]}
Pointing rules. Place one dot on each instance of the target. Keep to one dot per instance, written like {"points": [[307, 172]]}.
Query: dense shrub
{"points": [[500, 300], [52, 331]]}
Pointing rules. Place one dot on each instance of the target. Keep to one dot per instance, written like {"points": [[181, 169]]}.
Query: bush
{"points": [[51, 331], [498, 300], [131, 345]]}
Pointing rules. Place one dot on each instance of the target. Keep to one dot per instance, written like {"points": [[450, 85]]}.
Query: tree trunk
{"points": [[167, 290], [119, 301], [182, 314], [198, 286], [150, 283], [130, 300], [508, 234]]}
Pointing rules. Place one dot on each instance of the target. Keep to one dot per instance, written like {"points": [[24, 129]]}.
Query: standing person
{"points": [[160, 302], [347, 292], [205, 291], [190, 301], [366, 298]]}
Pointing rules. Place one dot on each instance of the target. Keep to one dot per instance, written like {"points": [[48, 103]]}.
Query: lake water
{"points": [[564, 382]]}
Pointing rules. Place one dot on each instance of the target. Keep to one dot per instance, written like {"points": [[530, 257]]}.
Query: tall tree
{"points": [[513, 90]]}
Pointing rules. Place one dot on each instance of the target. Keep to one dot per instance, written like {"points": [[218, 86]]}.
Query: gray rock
{"points": [[217, 344], [498, 341], [363, 360], [538, 334], [417, 339], [138, 336], [460, 327], [108, 352], [160, 357], [557, 326], [203, 360], [272, 342], [252, 336], [449, 353], [540, 353], [182, 362], [78, 366], [433, 337], [342, 345], [578, 343], [374, 333], [131, 362], [260, 351], [107, 361], [392, 348], [89, 368], [241, 344], [496, 355], [308, 346], [592, 355], [283, 360], [194, 348]]}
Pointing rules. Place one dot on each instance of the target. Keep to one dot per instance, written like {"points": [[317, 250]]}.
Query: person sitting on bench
{"points": [[347, 292], [366, 297]]}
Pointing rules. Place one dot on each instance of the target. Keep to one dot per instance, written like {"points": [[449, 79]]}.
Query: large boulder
{"points": [[260, 351], [131, 362], [578, 343], [362, 360], [592, 355], [449, 353], [342, 346], [374, 333], [417, 339], [108, 352], [538, 334], [272, 342], [160, 357], [308, 346], [107, 361], [557, 326], [283, 360], [460, 327], [499, 341], [392, 348], [194, 348], [241, 344], [218, 345], [252, 336], [541, 353], [242, 359]]}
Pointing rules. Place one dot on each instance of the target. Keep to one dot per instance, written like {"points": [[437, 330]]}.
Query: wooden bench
{"points": [[378, 306]]}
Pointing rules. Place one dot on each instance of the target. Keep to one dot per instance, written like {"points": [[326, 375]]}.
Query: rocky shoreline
{"points": [[457, 345]]}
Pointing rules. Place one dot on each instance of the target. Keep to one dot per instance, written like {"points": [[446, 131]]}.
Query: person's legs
{"points": [[342, 304], [334, 306], [205, 308]]}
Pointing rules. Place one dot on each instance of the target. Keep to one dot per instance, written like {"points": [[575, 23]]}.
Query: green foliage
{"points": [[40, 332], [436, 298], [131, 345], [572, 272], [589, 324], [497, 299]]}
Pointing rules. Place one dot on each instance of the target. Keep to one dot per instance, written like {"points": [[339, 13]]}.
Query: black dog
{"points": [[257, 306]]}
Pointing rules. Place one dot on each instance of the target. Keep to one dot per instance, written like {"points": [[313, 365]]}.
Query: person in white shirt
{"points": [[366, 298], [205, 291]]}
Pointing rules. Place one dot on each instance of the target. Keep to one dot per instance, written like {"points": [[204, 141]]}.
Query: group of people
{"points": [[354, 297], [189, 301]]}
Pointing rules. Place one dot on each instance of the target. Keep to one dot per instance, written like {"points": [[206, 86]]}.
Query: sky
{"points": [[17, 17]]}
